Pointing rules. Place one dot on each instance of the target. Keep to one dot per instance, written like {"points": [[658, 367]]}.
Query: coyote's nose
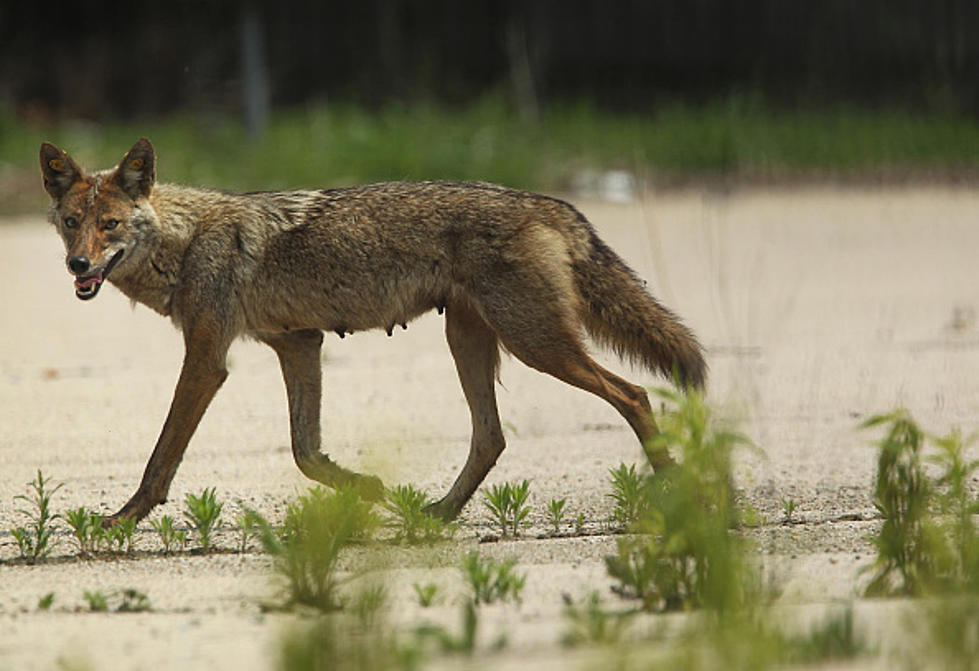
{"points": [[79, 264]]}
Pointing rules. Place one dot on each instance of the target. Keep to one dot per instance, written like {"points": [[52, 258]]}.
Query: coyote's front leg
{"points": [[201, 376], [299, 356]]}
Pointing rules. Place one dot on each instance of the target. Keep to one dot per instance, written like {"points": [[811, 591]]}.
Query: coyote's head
{"points": [[99, 216]]}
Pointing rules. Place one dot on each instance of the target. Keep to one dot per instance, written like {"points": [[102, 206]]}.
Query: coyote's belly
{"points": [[330, 290]]}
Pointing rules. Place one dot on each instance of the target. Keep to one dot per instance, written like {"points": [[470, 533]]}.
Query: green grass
{"points": [[34, 539], [86, 527], [684, 555], [507, 503], [320, 146], [627, 495], [170, 536], [305, 550], [555, 513], [492, 580], [928, 543], [203, 513], [405, 505]]}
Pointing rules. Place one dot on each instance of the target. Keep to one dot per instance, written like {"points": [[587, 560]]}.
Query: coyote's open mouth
{"points": [[87, 287]]}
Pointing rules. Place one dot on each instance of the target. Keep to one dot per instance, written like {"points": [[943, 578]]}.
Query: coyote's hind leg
{"points": [[544, 334], [299, 357]]}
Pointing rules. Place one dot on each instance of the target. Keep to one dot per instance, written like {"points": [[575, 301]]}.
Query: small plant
{"points": [[907, 539], [507, 503], [579, 524], [630, 504], [170, 536], [121, 535], [86, 527], [133, 601], [337, 642], [368, 603], [788, 509], [918, 553], [426, 593], [317, 526], [203, 513], [121, 601], [97, 600], [957, 507], [46, 601], [686, 556], [555, 513], [592, 624], [463, 643], [406, 509], [836, 638], [491, 580], [247, 523], [34, 539]]}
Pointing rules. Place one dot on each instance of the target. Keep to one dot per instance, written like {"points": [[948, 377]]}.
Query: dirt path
{"points": [[818, 307]]}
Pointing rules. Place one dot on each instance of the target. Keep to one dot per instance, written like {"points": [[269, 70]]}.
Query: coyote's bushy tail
{"points": [[620, 314]]}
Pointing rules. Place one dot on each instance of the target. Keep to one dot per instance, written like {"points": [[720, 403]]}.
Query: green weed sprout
{"points": [[591, 624], [248, 525], [507, 503], [918, 553], [958, 508], [627, 494], [555, 513], [122, 534], [127, 600], [426, 593], [788, 509], [835, 638], [86, 527], [491, 580], [463, 643], [305, 551], [34, 540], [169, 535], [686, 556], [908, 539], [98, 601], [405, 506], [203, 513]]}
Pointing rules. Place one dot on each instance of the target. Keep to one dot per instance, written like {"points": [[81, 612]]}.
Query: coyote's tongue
{"points": [[88, 283]]}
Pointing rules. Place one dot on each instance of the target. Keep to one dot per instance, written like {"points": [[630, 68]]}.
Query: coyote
{"points": [[508, 268]]}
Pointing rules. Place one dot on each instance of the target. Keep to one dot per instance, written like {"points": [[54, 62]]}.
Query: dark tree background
{"points": [[127, 59]]}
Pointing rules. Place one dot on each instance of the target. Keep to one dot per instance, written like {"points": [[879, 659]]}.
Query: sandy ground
{"points": [[817, 307]]}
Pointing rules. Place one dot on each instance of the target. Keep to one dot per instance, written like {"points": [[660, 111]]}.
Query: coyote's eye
{"points": [[110, 224], [71, 222]]}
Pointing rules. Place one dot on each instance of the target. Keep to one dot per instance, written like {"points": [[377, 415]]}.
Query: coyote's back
{"points": [[427, 244]]}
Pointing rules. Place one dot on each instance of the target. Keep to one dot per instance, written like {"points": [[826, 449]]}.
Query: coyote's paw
{"points": [[370, 487], [441, 510]]}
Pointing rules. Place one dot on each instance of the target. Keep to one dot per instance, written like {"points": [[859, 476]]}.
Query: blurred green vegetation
{"points": [[334, 145]]}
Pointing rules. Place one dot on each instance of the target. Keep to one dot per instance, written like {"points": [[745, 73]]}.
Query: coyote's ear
{"points": [[59, 171], [136, 173]]}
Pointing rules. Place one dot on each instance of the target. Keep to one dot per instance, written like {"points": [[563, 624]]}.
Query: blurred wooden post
{"points": [[254, 73]]}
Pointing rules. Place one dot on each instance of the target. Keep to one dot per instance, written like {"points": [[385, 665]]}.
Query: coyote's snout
{"points": [[508, 269]]}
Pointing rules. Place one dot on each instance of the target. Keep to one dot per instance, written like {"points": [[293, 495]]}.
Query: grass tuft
{"points": [[203, 513], [34, 539], [507, 504]]}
